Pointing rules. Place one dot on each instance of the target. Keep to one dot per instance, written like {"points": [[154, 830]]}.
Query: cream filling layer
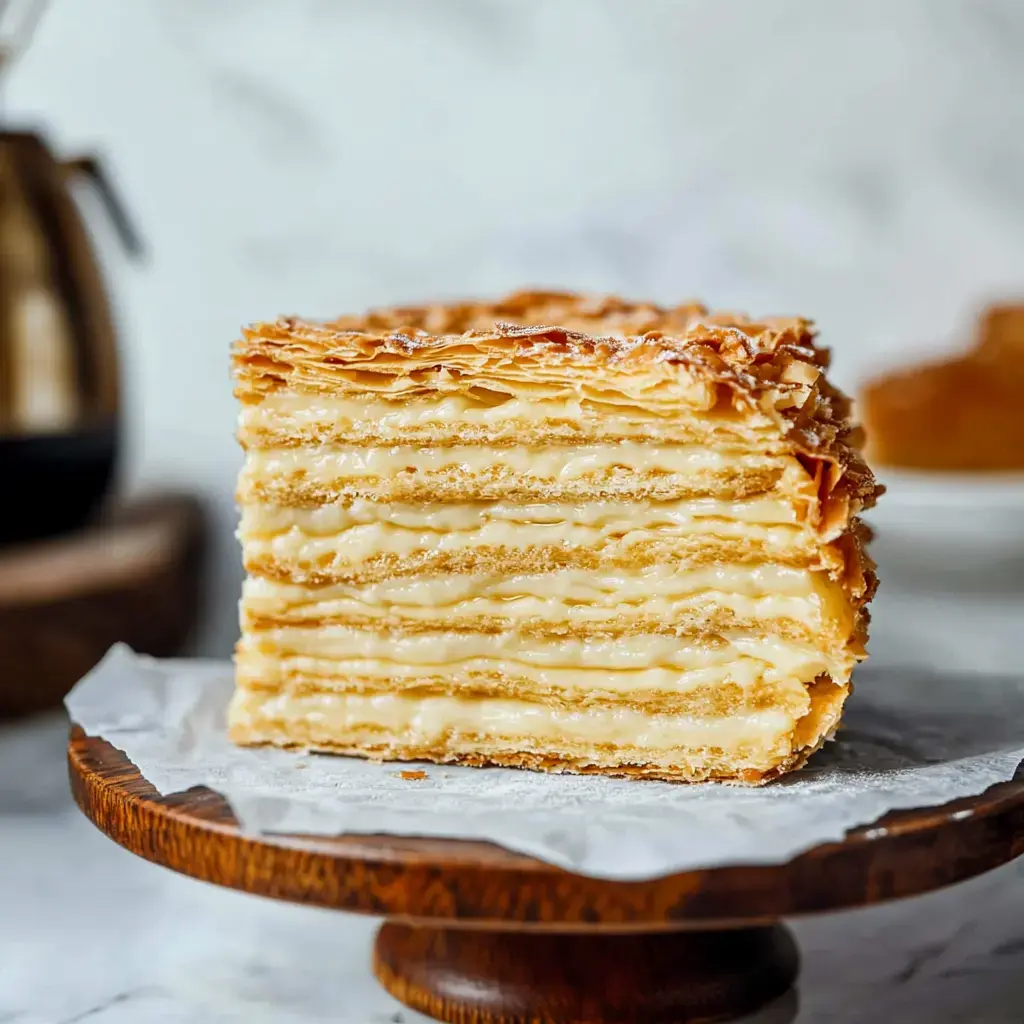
{"points": [[575, 683], [754, 592], [480, 407], [622, 663], [326, 466], [354, 534], [261, 519], [432, 720]]}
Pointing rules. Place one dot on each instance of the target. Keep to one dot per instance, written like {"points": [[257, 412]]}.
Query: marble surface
{"points": [[90, 933]]}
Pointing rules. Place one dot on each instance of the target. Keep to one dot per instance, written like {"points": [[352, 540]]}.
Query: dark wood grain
{"points": [[133, 578], [449, 881], [516, 978], [480, 935]]}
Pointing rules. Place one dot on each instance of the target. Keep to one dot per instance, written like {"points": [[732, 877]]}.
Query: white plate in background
{"points": [[951, 524], [950, 553]]}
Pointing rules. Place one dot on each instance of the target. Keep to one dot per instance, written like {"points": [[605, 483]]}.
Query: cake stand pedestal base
{"points": [[466, 975]]}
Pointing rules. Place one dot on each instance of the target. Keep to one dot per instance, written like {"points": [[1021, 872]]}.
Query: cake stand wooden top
{"points": [[471, 882]]}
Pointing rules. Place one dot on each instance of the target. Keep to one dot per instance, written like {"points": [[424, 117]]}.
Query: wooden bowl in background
{"points": [[134, 577]]}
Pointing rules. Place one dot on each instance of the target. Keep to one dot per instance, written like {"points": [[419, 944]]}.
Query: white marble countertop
{"points": [[90, 933]]}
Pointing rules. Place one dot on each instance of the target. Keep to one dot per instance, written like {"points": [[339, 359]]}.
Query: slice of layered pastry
{"points": [[549, 532]]}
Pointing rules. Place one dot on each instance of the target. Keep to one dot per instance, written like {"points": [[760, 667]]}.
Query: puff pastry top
{"points": [[552, 344]]}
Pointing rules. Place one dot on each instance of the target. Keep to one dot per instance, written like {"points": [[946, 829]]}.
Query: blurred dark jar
{"points": [[59, 381]]}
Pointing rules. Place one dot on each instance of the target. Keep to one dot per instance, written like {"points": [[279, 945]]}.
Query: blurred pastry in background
{"points": [[962, 414]]}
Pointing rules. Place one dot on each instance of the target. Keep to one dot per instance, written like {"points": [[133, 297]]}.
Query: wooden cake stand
{"points": [[478, 935]]}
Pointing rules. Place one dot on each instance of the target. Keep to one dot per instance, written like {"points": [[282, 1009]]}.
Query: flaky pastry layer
{"points": [[537, 345], [622, 471], [394, 654], [663, 599], [748, 748], [289, 419], [716, 699]]}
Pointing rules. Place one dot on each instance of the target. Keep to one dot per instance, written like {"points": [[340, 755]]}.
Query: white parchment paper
{"points": [[910, 739]]}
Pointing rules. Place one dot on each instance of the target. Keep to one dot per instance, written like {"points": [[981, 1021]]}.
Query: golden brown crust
{"points": [[639, 352], [537, 327]]}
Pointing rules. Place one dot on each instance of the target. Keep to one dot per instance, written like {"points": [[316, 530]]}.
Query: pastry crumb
{"points": [[413, 776]]}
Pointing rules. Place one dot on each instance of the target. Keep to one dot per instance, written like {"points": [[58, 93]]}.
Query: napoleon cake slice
{"points": [[552, 532]]}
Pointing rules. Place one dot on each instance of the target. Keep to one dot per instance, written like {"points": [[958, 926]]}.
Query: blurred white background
{"points": [[861, 162]]}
